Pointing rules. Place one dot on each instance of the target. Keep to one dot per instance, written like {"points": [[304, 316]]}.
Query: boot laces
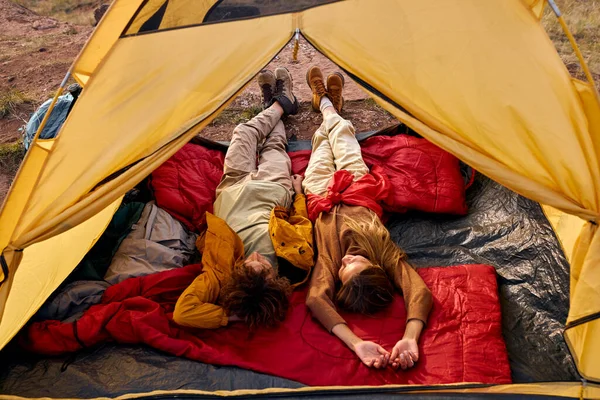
{"points": [[267, 94], [320, 87], [335, 97], [279, 87]]}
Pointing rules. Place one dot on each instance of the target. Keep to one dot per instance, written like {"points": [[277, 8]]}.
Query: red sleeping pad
{"points": [[462, 342], [423, 177]]}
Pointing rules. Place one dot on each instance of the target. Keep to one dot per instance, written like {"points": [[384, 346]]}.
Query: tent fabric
{"points": [[185, 184], [502, 229], [480, 79], [466, 313], [42, 273]]}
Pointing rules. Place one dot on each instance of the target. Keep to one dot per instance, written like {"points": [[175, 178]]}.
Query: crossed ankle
{"points": [[325, 103]]}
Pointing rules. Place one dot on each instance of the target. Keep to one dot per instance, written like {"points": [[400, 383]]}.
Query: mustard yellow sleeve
{"points": [[299, 206], [195, 307]]}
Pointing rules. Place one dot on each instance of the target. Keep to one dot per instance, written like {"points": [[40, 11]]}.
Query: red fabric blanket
{"points": [[462, 342], [368, 191]]}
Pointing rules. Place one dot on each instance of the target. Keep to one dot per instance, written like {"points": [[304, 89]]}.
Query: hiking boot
{"points": [[314, 78], [283, 91], [335, 86], [266, 82]]}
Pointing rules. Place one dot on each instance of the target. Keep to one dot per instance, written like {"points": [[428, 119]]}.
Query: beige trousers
{"points": [[334, 147], [272, 164]]}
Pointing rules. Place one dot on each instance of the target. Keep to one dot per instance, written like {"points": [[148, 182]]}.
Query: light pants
{"points": [[273, 165], [334, 147]]}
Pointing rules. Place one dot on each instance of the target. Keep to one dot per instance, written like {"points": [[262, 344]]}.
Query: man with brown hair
{"points": [[252, 218]]}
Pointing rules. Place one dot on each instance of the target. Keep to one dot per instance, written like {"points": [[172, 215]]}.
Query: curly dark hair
{"points": [[256, 298], [366, 292]]}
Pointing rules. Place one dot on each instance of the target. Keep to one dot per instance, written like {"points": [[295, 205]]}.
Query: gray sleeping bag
{"points": [[157, 242]]}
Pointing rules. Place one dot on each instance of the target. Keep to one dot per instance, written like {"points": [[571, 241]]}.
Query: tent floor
{"points": [[502, 229]]}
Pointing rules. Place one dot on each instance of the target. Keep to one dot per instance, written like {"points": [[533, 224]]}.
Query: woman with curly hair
{"points": [[253, 243], [358, 266]]}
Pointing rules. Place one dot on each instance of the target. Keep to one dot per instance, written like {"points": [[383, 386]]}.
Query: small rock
{"points": [[11, 78], [42, 49], [43, 24], [69, 30]]}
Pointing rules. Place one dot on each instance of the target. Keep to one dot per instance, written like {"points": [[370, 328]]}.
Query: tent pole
{"points": [[569, 35]]}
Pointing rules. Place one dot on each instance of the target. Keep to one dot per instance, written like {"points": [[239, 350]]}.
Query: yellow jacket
{"points": [[292, 236], [222, 250]]}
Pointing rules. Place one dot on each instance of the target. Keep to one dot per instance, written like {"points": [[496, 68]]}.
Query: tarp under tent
{"points": [[480, 79]]}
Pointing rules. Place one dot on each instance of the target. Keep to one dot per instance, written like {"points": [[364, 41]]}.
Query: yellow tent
{"points": [[480, 79]]}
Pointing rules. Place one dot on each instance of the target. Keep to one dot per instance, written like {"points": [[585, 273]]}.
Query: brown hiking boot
{"points": [[284, 91], [266, 82], [314, 78], [335, 86]]}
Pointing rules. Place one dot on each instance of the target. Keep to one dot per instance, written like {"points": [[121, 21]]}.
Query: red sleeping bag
{"points": [[185, 184], [461, 343], [423, 177]]}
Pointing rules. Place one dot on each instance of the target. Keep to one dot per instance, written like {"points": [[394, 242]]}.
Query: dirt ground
{"points": [[35, 54], [359, 107]]}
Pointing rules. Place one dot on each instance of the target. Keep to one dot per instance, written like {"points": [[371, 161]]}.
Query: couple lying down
{"points": [[358, 266]]}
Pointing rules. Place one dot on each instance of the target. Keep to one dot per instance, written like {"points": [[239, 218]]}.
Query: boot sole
{"points": [[292, 84]]}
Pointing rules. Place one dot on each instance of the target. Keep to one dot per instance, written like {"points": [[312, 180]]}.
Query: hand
{"points": [[372, 354], [405, 354], [297, 183]]}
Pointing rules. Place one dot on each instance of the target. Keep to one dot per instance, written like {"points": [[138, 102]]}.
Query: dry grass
{"points": [[583, 19], [10, 100], [63, 10], [11, 155]]}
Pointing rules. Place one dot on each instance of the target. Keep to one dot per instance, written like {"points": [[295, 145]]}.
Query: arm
{"points": [[299, 207], [418, 300], [417, 296], [195, 308]]}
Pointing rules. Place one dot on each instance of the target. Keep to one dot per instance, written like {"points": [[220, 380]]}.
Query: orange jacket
{"points": [[222, 250]]}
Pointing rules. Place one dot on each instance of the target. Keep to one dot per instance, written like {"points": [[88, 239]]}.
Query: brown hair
{"points": [[371, 290], [255, 298]]}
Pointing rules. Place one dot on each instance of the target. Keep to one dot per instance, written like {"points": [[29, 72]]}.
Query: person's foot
{"points": [[266, 83], [314, 78], [284, 91], [335, 86]]}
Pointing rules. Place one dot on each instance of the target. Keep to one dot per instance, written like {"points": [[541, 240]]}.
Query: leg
{"points": [[339, 132], [345, 147], [274, 164], [321, 165], [240, 159]]}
